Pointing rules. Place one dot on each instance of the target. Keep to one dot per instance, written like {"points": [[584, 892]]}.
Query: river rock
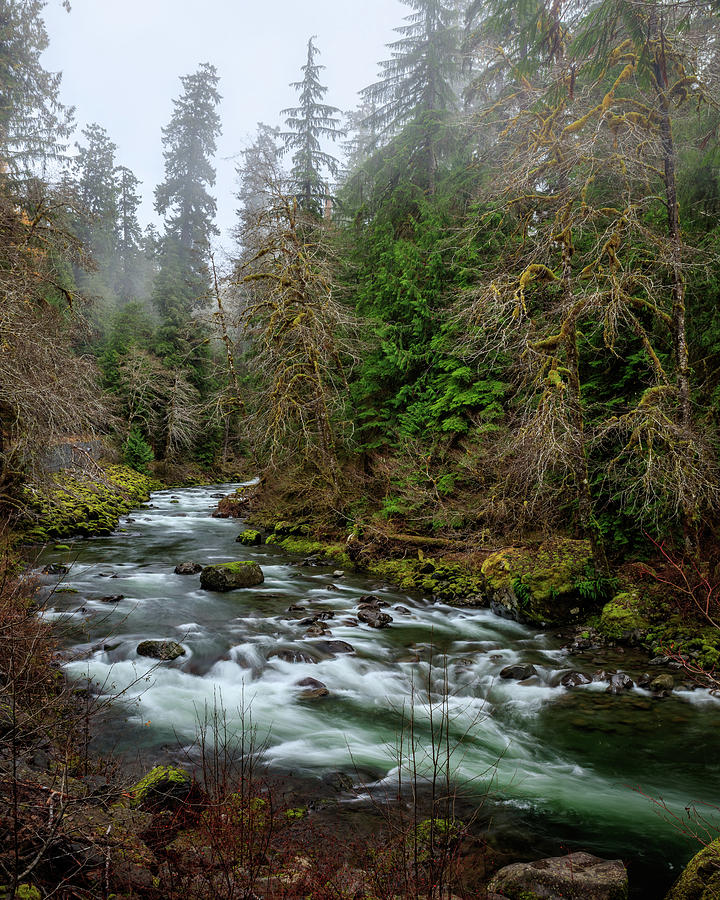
{"points": [[339, 647], [577, 876], [162, 650], [249, 537], [317, 630], [575, 679], [315, 689], [374, 618], [293, 656], [659, 661], [662, 685], [115, 598], [620, 683], [188, 568], [230, 576], [370, 600], [518, 672], [701, 878], [55, 569], [163, 788]]}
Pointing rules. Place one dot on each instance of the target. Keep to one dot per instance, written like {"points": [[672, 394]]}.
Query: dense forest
{"points": [[479, 311]]}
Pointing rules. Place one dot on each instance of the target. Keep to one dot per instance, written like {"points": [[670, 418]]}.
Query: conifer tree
{"points": [[418, 83], [190, 143], [129, 235], [97, 192], [184, 199], [32, 120], [308, 124]]}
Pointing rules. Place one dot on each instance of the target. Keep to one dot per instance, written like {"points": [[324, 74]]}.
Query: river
{"points": [[555, 769]]}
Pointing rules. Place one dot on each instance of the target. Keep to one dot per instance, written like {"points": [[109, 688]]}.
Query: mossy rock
{"points": [[701, 879], [249, 537], [623, 617], [27, 892], [162, 787], [291, 529], [539, 586], [74, 503], [162, 650], [307, 547], [231, 576], [451, 582]]}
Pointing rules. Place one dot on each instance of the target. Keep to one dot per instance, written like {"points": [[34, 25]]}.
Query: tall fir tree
{"points": [[421, 74], [307, 126], [184, 199], [129, 235], [33, 122], [97, 192]]}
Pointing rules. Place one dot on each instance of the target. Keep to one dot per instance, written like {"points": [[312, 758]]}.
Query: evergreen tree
{"points": [[129, 235], [420, 76], [98, 193], [190, 144], [32, 119], [189, 208], [308, 124]]}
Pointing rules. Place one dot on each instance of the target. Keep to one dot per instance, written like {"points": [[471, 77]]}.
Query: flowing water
{"points": [[558, 768]]}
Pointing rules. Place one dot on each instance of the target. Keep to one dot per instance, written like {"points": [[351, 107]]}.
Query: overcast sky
{"points": [[121, 61]]}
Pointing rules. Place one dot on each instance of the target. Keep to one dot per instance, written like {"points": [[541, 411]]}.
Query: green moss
{"points": [[701, 878], [448, 581], [307, 547], [249, 537], [539, 584], [27, 892], [157, 781], [73, 503], [623, 614]]}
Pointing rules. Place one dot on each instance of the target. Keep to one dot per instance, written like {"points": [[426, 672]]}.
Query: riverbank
{"points": [[533, 741], [660, 605]]}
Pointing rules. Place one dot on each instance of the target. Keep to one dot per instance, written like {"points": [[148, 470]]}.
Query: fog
{"points": [[121, 61]]}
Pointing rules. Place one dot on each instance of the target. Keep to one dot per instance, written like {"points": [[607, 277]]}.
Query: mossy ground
{"points": [[701, 878], [72, 503]]}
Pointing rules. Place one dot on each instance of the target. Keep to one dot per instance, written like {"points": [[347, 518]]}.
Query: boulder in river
{"points": [[575, 679], [518, 672], [188, 568], [162, 650], [315, 689], [339, 647], [577, 876], [55, 569], [662, 685], [115, 598], [375, 618], [701, 878], [232, 575], [249, 537], [619, 683]]}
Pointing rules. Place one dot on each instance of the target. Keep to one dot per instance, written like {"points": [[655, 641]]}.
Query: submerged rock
{"points": [[188, 568], [315, 689], [575, 679], [662, 685], [518, 672], [577, 876], [619, 683], [230, 576], [55, 569], [162, 650], [115, 598], [375, 618]]}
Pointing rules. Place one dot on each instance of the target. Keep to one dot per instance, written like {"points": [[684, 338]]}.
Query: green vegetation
{"points": [[75, 503]]}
